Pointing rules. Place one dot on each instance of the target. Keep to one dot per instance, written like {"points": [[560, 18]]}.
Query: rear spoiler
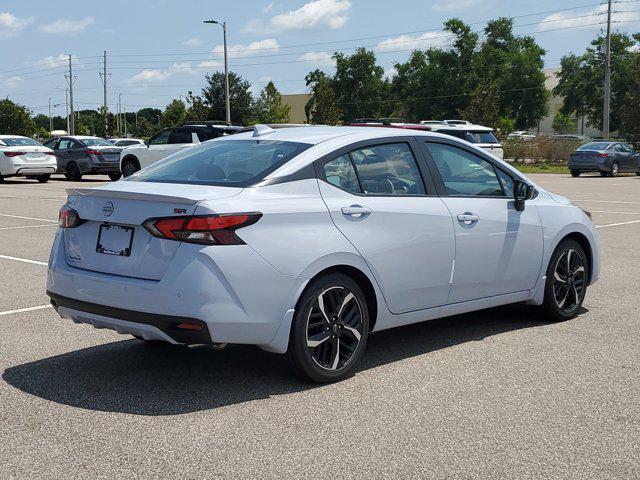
{"points": [[146, 197]]}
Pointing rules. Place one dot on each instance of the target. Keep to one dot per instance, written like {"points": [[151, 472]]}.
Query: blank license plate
{"points": [[115, 240]]}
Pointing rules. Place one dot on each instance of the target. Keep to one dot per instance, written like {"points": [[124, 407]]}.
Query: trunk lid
{"points": [[108, 154], [112, 239], [31, 152], [582, 156]]}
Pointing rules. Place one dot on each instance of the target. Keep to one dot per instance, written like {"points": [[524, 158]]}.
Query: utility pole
{"points": [[226, 70], [104, 76], [607, 76], [124, 117], [119, 114], [50, 118], [72, 123], [66, 105]]}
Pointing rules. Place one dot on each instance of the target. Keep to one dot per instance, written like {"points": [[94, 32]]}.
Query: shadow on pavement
{"points": [[140, 379]]}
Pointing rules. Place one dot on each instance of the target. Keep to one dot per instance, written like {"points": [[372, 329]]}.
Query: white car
{"points": [[126, 142], [167, 142], [521, 135], [479, 135], [24, 157], [305, 240]]}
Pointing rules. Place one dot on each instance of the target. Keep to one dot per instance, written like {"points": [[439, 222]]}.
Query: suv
{"points": [[168, 141], [480, 136]]}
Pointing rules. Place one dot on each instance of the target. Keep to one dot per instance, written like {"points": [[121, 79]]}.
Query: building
{"points": [[296, 101]]}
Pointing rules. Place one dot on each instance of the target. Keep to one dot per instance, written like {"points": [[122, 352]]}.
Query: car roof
{"points": [[13, 136], [82, 137]]}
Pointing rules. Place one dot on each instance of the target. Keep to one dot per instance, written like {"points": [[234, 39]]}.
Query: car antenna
{"points": [[259, 130]]}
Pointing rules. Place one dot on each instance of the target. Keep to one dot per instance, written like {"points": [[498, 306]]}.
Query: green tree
{"points": [[564, 122], [630, 111], [240, 97], [174, 114], [15, 119], [321, 109], [269, 107], [197, 109], [41, 121], [484, 106], [152, 115]]}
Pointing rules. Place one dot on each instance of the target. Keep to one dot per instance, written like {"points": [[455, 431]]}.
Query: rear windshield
{"points": [[595, 146], [230, 163], [481, 137], [20, 142], [96, 142]]}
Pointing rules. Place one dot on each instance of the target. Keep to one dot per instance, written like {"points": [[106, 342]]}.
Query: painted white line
{"points": [[28, 309], [28, 226], [603, 201], [25, 260], [32, 198], [616, 224], [28, 218], [611, 211]]}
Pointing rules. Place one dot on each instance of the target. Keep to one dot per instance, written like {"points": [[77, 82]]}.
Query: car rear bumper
{"points": [[17, 168]]}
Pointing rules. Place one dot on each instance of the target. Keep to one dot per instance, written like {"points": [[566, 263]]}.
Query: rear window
{"points": [[595, 146], [230, 163], [96, 142], [20, 142], [482, 137]]}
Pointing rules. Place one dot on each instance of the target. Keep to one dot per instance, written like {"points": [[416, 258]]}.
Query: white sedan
{"points": [[306, 240], [24, 157]]}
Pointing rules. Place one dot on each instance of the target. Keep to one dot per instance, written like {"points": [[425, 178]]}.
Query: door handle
{"points": [[468, 218], [356, 211]]}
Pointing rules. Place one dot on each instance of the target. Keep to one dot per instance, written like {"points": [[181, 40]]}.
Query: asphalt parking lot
{"points": [[495, 394]]}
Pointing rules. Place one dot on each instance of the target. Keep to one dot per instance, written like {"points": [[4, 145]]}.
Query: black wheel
{"points": [[638, 173], [567, 277], [129, 167], [575, 173], [114, 176], [43, 178], [1, 179], [73, 172], [329, 330], [615, 169]]}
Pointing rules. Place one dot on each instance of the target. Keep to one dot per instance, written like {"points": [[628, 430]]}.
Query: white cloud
{"points": [[11, 81], [313, 15], [389, 73], [587, 19], [66, 27], [319, 59], [186, 68], [407, 42], [268, 8], [192, 42], [150, 76], [10, 24], [239, 50], [52, 61], [459, 5]]}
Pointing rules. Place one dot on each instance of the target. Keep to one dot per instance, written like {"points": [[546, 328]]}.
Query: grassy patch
{"points": [[540, 167]]}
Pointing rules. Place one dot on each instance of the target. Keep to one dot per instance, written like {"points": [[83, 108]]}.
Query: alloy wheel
{"points": [[569, 280], [334, 328], [615, 168]]}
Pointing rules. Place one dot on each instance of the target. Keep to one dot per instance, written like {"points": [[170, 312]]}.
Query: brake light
{"points": [[204, 230], [68, 218], [603, 155], [94, 152], [14, 154]]}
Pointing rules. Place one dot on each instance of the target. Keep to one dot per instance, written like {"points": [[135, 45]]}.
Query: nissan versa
{"points": [[305, 240]]}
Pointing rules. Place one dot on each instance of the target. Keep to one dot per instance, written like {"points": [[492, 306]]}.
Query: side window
{"points": [[51, 143], [340, 172], [161, 138], [506, 181], [181, 135], [618, 148], [464, 173], [389, 169], [204, 135], [626, 148], [66, 144]]}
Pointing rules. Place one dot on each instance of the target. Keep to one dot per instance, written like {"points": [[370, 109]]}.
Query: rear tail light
{"points": [[68, 218], [14, 154], [94, 152], [603, 155], [205, 229]]}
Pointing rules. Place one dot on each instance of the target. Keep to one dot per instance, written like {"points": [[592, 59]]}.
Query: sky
{"points": [[158, 50]]}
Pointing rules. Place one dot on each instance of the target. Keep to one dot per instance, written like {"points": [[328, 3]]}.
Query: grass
{"points": [[540, 167]]}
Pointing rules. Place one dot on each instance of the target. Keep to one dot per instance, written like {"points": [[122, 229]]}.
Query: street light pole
{"points": [[226, 70], [607, 77]]}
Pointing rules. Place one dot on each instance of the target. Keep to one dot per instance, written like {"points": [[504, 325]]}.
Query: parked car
{"points": [[521, 135], [572, 137], [305, 240], [607, 158], [81, 155], [126, 142], [168, 141], [482, 137], [24, 157]]}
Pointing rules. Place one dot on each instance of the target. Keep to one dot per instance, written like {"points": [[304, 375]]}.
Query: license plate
{"points": [[35, 155], [115, 240]]}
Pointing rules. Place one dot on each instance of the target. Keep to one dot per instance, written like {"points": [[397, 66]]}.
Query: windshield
{"points": [[225, 163], [481, 137], [96, 142], [595, 146], [20, 142]]}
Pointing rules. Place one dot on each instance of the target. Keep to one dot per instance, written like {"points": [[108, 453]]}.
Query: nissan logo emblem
{"points": [[107, 210]]}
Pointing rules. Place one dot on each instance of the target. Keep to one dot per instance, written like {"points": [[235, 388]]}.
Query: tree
{"points": [[359, 85], [197, 108], [213, 98], [630, 111], [269, 107], [581, 80], [15, 119], [484, 106], [321, 109], [151, 115], [174, 114], [564, 122], [41, 121]]}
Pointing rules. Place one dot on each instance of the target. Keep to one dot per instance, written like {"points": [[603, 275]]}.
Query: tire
{"points": [[565, 288], [1, 179], [73, 172], [638, 173], [344, 327], [575, 173], [615, 169], [129, 167], [43, 178], [115, 176], [604, 174]]}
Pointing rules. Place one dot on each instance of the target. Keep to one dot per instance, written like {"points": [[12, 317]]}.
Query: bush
{"points": [[540, 149]]}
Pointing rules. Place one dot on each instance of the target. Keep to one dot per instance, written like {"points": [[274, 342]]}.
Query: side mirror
{"points": [[522, 192]]}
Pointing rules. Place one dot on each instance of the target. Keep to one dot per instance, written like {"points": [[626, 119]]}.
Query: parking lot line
{"points": [[603, 201], [25, 260], [28, 226], [28, 218], [616, 224], [28, 309], [22, 197], [611, 211]]}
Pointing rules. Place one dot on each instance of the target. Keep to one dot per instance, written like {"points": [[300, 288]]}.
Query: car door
{"points": [[498, 249], [627, 158], [53, 145], [156, 148], [64, 153], [378, 199]]}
